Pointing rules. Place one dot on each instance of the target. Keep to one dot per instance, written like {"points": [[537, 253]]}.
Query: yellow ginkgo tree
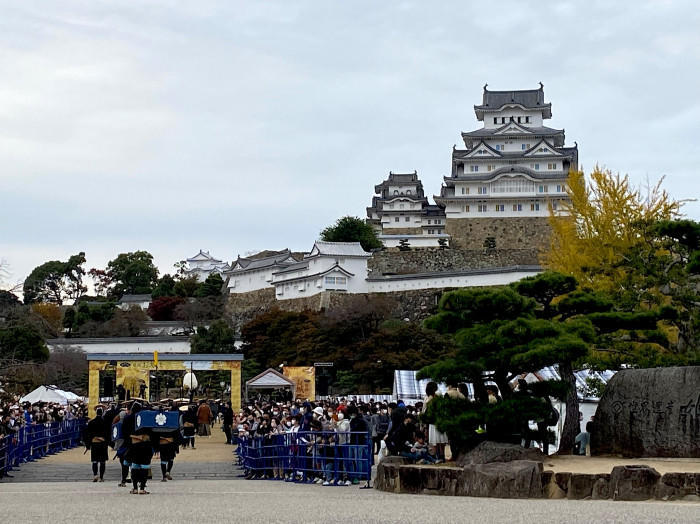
{"points": [[605, 218]]}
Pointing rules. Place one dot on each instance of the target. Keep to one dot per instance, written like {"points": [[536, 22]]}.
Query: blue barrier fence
{"points": [[35, 441], [308, 455]]}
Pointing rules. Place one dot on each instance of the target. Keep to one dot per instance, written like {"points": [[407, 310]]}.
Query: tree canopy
{"points": [[219, 337], [56, 281], [131, 273], [352, 229]]}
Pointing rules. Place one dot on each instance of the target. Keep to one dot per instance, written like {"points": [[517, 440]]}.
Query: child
{"points": [[420, 449]]}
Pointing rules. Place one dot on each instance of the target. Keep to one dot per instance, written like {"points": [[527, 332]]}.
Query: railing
{"points": [[307, 456], [36, 441]]}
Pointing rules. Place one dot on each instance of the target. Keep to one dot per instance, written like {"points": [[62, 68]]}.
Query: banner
{"points": [[305, 379]]}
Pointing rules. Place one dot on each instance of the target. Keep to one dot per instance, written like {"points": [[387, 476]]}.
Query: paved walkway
{"points": [[212, 459]]}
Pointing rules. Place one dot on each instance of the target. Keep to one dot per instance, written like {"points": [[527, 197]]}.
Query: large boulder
{"points": [[650, 413], [633, 482], [518, 479], [489, 451]]}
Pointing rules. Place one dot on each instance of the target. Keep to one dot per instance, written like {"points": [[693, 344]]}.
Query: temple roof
{"points": [[527, 98]]}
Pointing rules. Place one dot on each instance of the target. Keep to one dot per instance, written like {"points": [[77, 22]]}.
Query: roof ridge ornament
{"points": [[541, 86], [485, 86]]}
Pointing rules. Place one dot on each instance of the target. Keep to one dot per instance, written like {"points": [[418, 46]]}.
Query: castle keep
{"points": [[502, 185]]}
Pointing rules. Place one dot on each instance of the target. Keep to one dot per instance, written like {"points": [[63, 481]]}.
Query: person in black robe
{"points": [[168, 447], [97, 436], [190, 425], [139, 450]]}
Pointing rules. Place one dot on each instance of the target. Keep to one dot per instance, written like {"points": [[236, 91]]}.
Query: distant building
{"points": [[402, 212], [336, 266], [129, 301], [254, 273], [510, 173], [203, 264]]}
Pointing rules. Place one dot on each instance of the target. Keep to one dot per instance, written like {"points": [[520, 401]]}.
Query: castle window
{"points": [[396, 191], [466, 209], [517, 207], [428, 221], [408, 219], [561, 188], [500, 207], [552, 165], [535, 206], [537, 167], [482, 208], [543, 188], [519, 120], [512, 119], [396, 219], [483, 190], [527, 119], [473, 169], [438, 221], [503, 120], [495, 120], [554, 205]]}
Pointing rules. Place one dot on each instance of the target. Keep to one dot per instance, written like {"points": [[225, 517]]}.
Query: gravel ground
{"points": [[265, 501]]}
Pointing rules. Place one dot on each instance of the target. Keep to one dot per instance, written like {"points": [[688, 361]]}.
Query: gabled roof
{"points": [[269, 379], [334, 267], [534, 151], [482, 146], [251, 263], [338, 249], [512, 127], [498, 131], [203, 256], [526, 98]]}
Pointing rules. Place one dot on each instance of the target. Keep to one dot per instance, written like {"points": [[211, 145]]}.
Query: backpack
{"points": [[382, 424]]}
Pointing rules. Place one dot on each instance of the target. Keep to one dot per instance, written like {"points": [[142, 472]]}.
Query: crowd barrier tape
{"points": [[35, 441], [306, 455]]}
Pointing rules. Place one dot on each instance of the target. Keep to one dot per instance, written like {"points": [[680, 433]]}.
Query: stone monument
{"points": [[650, 413]]}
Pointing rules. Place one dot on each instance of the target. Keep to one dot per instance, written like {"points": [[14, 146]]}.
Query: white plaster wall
{"points": [[535, 117], [432, 282], [249, 281], [182, 346]]}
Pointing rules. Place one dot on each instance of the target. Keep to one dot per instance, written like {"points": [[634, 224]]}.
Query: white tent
{"points": [[270, 379], [45, 394]]}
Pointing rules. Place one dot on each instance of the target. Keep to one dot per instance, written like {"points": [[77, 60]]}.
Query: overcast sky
{"points": [[171, 126]]}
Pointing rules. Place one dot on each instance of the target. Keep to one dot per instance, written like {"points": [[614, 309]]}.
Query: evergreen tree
{"points": [[352, 229]]}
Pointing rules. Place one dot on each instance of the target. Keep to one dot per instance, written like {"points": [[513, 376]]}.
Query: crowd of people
{"points": [[15, 415], [37, 419], [331, 441]]}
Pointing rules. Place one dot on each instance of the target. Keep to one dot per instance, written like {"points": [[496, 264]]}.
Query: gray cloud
{"points": [[174, 126]]}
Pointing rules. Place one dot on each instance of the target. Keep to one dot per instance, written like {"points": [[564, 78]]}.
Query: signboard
{"points": [[304, 378], [323, 364]]}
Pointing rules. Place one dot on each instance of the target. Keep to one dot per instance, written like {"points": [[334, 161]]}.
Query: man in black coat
{"points": [[97, 436], [228, 421], [139, 450]]}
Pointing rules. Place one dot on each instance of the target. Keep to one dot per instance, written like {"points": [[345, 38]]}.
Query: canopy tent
{"points": [[411, 390], [270, 379], [45, 394]]}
